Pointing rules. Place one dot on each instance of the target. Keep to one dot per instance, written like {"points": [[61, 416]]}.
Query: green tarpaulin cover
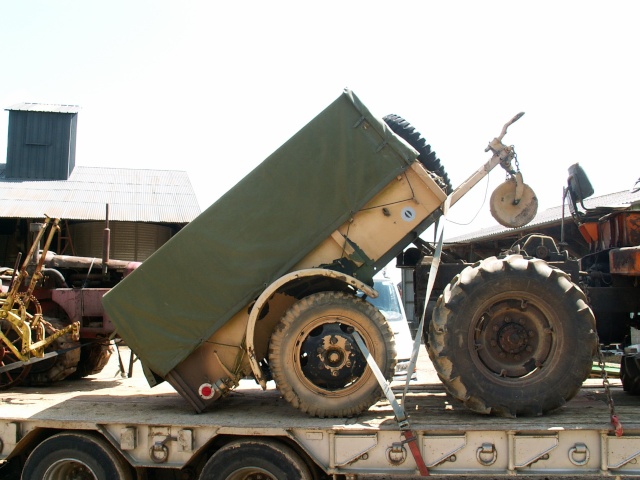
{"points": [[255, 233]]}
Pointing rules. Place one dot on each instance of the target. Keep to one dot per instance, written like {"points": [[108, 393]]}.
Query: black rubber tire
{"points": [[59, 367], [315, 361], [630, 374], [512, 336], [80, 453], [266, 459], [426, 156], [93, 358]]}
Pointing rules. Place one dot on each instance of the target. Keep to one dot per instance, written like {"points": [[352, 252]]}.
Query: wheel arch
{"points": [[297, 285]]}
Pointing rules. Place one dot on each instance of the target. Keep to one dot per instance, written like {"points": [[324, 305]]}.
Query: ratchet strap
{"points": [[398, 410]]}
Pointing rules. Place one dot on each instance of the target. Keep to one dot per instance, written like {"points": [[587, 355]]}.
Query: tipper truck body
{"points": [[323, 213]]}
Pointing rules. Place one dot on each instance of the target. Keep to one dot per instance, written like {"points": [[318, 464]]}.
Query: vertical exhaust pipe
{"points": [[106, 243]]}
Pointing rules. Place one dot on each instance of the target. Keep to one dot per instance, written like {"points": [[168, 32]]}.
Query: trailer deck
{"points": [[157, 428]]}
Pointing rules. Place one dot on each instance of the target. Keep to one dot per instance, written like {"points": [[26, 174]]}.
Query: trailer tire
{"points": [[426, 156], [256, 458], [512, 336], [315, 362], [82, 454]]}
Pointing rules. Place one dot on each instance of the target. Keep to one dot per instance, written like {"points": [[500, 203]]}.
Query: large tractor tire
{"points": [[426, 156], [315, 361], [59, 367], [512, 336]]}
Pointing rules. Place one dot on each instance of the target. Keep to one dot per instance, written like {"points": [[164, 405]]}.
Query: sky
{"points": [[212, 88]]}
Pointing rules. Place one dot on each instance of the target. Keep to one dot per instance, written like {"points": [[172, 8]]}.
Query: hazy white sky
{"points": [[212, 88]]}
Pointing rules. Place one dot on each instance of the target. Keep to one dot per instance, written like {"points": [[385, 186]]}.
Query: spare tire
{"points": [[426, 156]]}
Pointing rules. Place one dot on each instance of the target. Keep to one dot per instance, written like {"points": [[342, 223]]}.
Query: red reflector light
{"points": [[206, 391]]}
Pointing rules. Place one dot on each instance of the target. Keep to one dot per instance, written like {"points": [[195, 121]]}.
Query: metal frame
{"points": [[15, 304]]}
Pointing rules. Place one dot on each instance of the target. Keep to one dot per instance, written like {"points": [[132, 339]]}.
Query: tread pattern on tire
{"points": [[93, 358], [326, 406], [427, 156], [266, 454], [575, 352], [89, 449]]}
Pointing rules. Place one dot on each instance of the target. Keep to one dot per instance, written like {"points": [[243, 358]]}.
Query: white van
{"points": [[390, 305]]}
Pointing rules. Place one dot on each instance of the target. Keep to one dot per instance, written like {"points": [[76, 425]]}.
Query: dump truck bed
{"points": [[344, 193]]}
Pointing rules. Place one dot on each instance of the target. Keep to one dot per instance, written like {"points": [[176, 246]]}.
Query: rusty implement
{"points": [[23, 336]]}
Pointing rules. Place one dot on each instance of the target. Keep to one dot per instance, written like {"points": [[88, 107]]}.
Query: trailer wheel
{"points": [[263, 459], [426, 156], [512, 336], [61, 366], [11, 378], [315, 361], [75, 455]]}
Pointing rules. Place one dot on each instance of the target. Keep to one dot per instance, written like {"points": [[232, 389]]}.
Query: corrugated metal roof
{"points": [[44, 107], [163, 196], [550, 216]]}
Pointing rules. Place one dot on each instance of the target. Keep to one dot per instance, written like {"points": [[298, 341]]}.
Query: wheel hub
{"points": [[69, 469], [329, 357], [512, 338]]}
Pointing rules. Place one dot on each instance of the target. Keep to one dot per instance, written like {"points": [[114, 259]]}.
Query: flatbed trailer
{"points": [[153, 434]]}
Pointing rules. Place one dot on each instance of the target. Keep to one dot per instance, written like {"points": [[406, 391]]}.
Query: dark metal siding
{"points": [[41, 145]]}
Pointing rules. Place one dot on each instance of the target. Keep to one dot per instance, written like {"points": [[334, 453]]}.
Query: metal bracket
{"points": [[159, 452]]}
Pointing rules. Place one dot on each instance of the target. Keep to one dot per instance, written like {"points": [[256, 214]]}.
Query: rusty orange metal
{"points": [[589, 231], [620, 229], [625, 261]]}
